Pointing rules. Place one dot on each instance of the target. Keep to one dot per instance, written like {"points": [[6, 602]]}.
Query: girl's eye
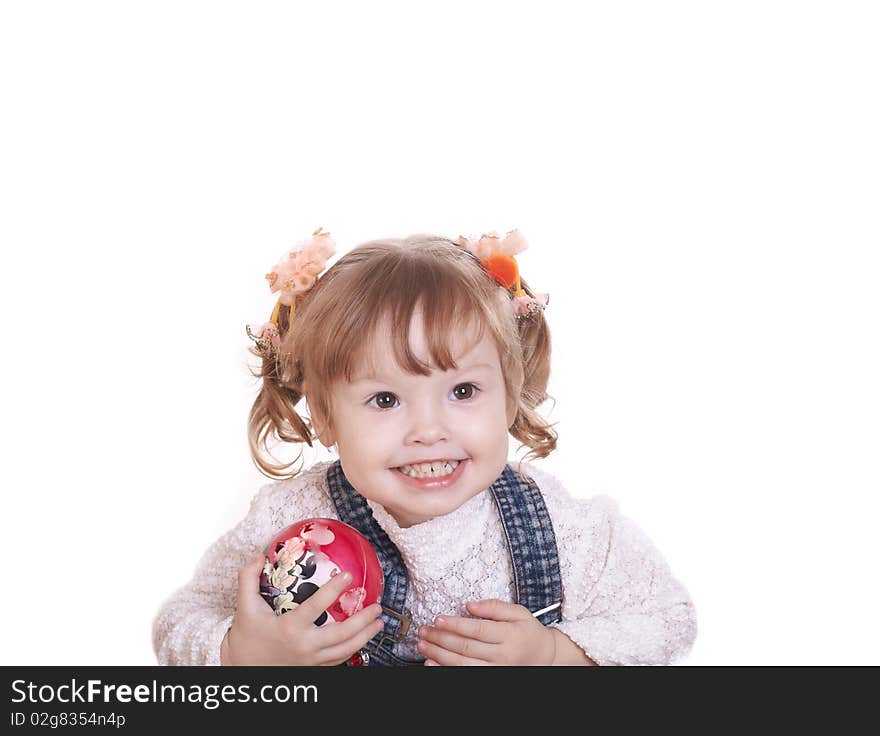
{"points": [[387, 400], [465, 391], [384, 400]]}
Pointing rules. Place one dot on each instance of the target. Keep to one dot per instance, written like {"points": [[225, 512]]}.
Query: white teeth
{"points": [[430, 470]]}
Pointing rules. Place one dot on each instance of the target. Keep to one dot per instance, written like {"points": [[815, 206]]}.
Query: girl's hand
{"points": [[502, 634], [258, 636]]}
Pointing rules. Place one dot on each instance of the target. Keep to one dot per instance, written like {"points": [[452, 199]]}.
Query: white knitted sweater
{"points": [[621, 605]]}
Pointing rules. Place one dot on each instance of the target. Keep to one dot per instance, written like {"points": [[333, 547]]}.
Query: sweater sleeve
{"points": [[621, 602], [191, 624]]}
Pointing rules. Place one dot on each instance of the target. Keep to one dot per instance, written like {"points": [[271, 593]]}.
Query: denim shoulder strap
{"points": [[532, 545], [352, 508]]}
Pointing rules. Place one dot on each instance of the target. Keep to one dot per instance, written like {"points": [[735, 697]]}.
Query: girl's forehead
{"points": [[466, 344]]}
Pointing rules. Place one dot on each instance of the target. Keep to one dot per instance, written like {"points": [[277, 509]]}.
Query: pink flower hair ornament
{"points": [[294, 276]]}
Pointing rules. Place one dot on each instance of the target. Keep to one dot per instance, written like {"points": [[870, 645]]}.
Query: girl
{"points": [[416, 358]]}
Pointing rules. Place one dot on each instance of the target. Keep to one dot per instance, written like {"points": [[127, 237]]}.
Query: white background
{"points": [[698, 182]]}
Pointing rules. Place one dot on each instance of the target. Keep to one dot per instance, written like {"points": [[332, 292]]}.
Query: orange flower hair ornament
{"points": [[294, 275], [497, 253]]}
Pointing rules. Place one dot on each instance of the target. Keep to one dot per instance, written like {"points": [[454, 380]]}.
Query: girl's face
{"points": [[386, 422]]}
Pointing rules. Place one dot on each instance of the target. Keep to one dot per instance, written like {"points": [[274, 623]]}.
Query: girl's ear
{"points": [[512, 405], [511, 413], [321, 425], [323, 432]]}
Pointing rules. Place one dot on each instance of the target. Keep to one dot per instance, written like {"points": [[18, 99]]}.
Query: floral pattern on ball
{"points": [[305, 555]]}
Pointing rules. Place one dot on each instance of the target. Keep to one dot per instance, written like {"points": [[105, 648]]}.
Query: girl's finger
{"points": [[490, 632], [342, 651], [313, 606], [248, 597], [450, 659], [498, 610], [327, 636], [452, 642]]}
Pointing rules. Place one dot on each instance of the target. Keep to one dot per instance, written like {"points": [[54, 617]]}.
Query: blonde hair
{"points": [[338, 318]]}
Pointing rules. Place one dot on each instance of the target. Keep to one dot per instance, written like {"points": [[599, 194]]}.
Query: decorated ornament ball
{"points": [[304, 556]]}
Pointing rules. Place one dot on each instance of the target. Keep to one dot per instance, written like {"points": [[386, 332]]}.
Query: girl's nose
{"points": [[428, 426]]}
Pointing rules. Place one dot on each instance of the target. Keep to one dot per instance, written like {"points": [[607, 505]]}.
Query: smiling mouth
{"points": [[444, 477], [436, 469]]}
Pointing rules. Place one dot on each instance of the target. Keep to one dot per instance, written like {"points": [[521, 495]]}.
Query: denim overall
{"points": [[530, 541]]}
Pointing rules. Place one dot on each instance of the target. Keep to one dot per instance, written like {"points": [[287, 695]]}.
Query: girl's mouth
{"points": [[431, 481]]}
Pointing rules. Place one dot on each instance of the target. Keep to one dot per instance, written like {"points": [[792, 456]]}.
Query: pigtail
{"points": [[273, 414], [530, 427]]}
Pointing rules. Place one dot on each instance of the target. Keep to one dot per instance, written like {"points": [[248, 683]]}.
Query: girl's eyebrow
{"points": [[371, 377]]}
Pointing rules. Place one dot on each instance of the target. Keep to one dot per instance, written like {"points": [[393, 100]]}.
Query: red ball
{"points": [[305, 555]]}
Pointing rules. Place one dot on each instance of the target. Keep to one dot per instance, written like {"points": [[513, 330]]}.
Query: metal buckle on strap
{"points": [[537, 614], [405, 621]]}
